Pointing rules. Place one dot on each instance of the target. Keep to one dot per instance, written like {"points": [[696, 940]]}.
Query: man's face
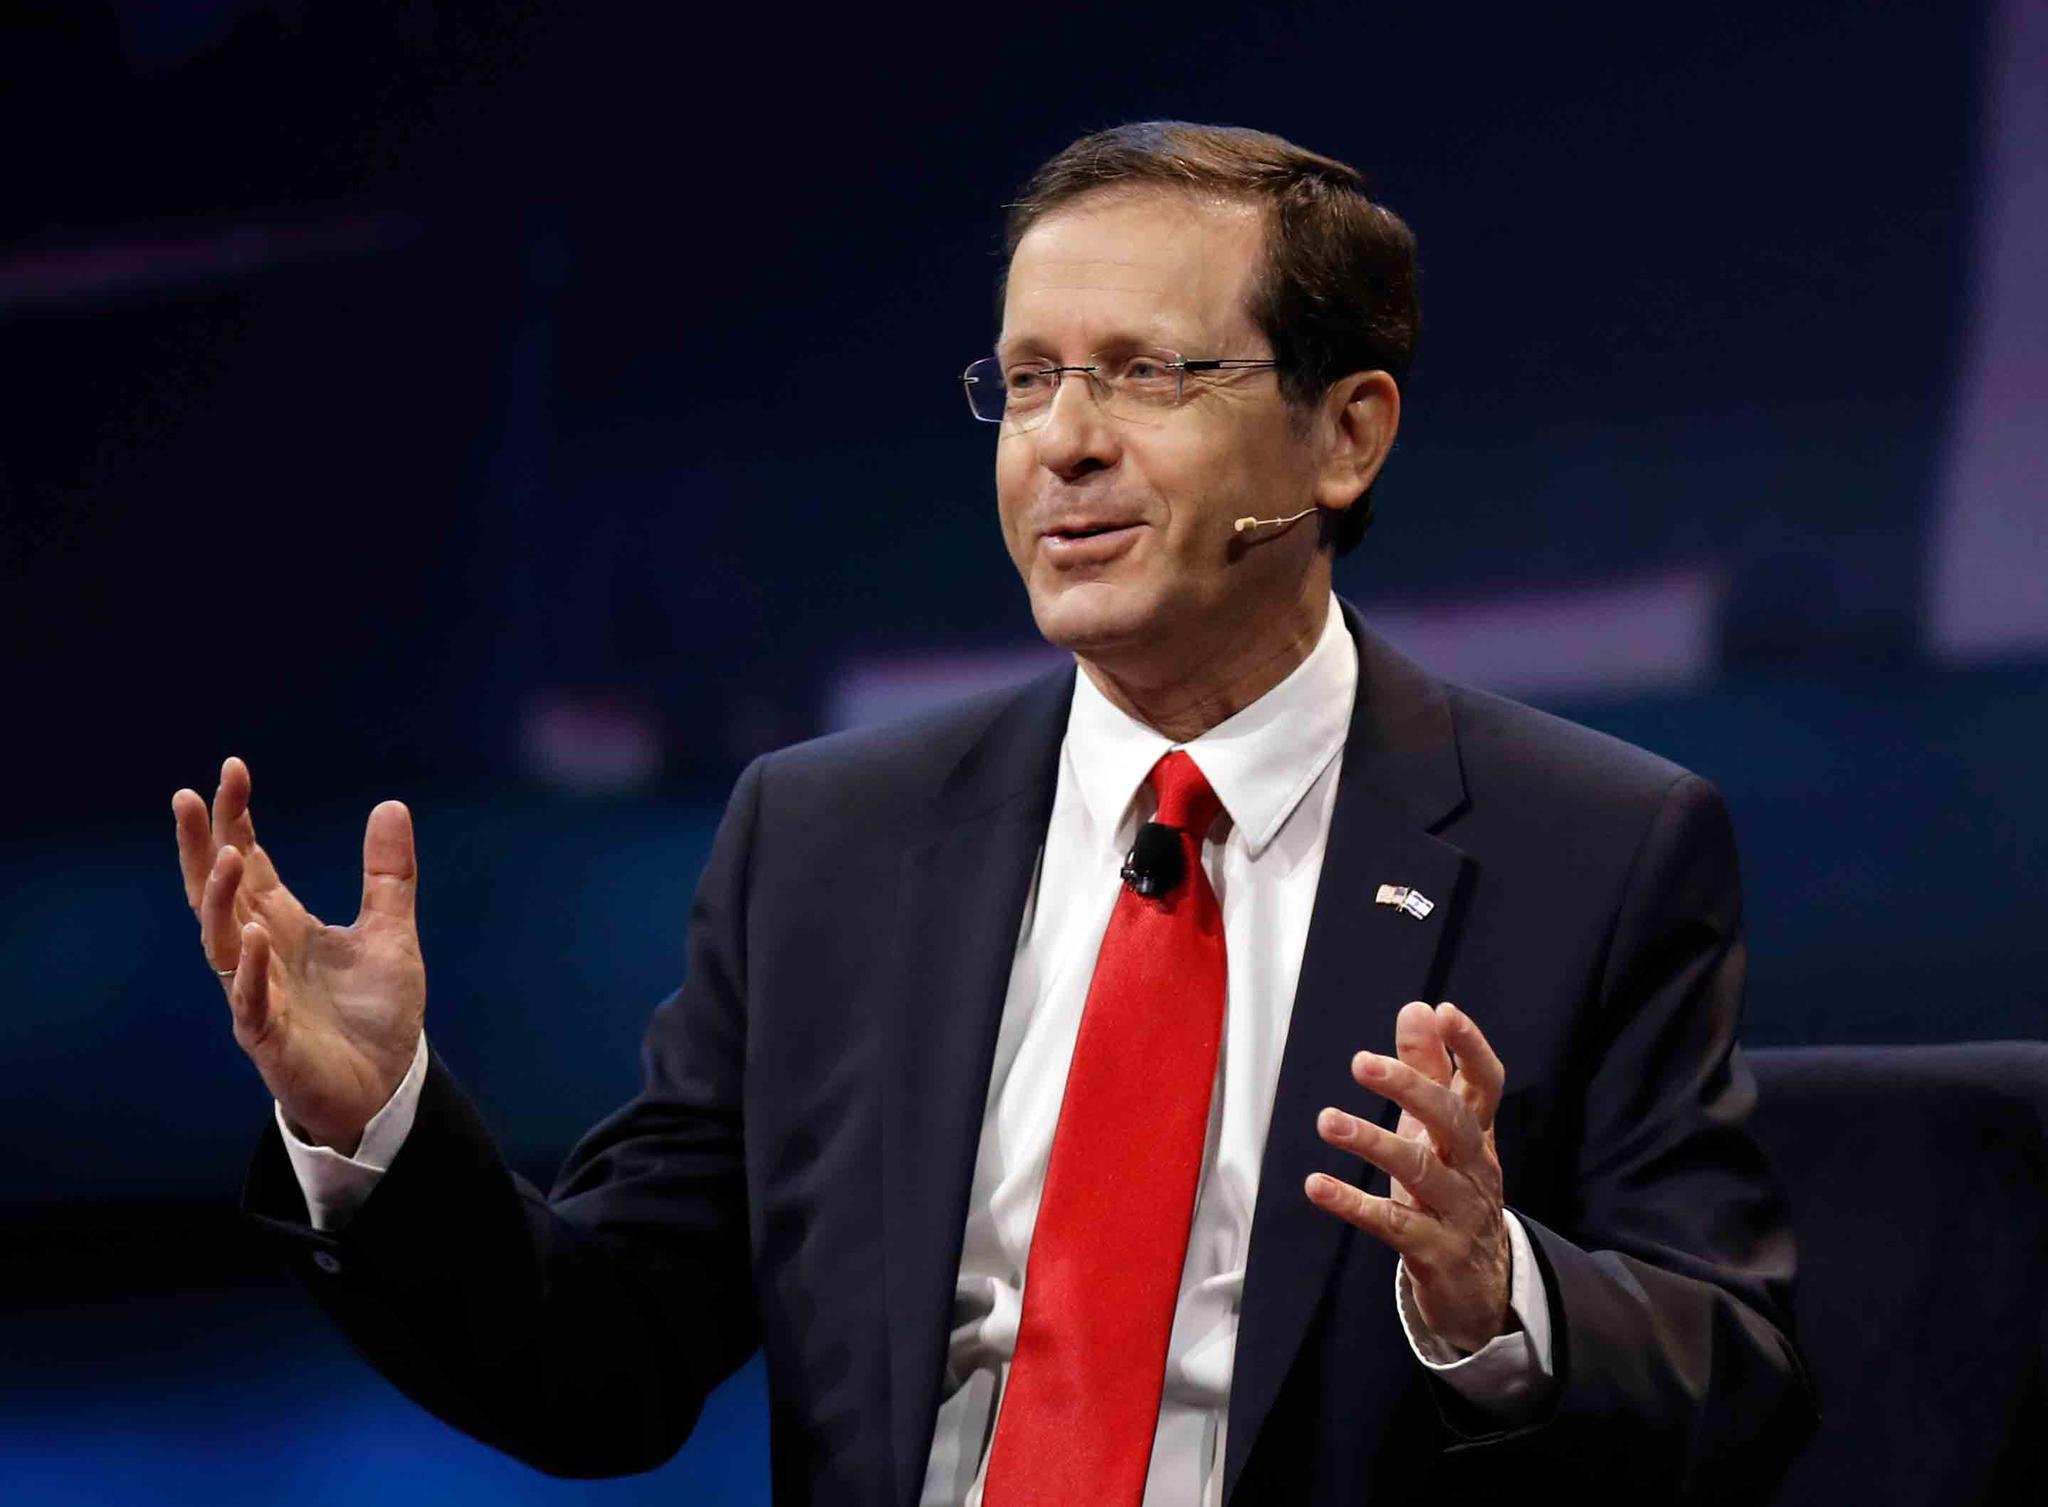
{"points": [[1168, 579]]}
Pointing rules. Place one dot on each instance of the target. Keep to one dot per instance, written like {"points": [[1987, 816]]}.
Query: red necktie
{"points": [[1104, 1272]]}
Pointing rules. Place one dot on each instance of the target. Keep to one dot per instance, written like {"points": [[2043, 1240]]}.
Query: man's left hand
{"points": [[1445, 1216]]}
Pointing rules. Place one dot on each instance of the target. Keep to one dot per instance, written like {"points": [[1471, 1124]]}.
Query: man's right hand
{"points": [[330, 1015]]}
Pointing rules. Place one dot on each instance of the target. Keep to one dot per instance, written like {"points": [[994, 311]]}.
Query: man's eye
{"points": [[1147, 369]]}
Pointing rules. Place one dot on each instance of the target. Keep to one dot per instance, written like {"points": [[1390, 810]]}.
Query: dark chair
{"points": [[1919, 1186]]}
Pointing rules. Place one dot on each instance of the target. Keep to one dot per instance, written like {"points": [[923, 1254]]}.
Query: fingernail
{"points": [[1331, 1122], [1317, 1183], [1368, 1064]]}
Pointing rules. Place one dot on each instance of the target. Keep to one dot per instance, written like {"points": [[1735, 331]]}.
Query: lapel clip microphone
{"points": [[1245, 525], [1155, 865]]}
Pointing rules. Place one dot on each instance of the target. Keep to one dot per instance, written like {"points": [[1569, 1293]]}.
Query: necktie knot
{"points": [[1185, 799]]}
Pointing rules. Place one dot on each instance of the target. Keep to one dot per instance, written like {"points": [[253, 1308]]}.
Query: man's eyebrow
{"points": [[1156, 337]]}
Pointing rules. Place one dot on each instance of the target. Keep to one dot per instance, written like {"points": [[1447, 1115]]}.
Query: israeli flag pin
{"points": [[1414, 902]]}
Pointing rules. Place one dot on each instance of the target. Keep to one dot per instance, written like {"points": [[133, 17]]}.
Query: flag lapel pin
{"points": [[1414, 902]]}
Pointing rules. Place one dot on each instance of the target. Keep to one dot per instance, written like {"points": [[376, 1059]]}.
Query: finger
{"points": [[231, 823], [1411, 1162], [1414, 1232], [1482, 1072], [390, 871], [1443, 1114], [249, 989], [219, 937], [257, 888], [195, 843], [1419, 1041]]}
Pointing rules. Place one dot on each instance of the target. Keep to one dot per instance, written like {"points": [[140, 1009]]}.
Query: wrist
{"points": [[341, 1123], [341, 1141]]}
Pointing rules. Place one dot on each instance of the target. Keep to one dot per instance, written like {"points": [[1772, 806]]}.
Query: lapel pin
{"points": [[1414, 902]]}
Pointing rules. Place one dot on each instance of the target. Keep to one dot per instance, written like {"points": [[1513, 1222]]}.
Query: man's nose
{"points": [[1076, 436]]}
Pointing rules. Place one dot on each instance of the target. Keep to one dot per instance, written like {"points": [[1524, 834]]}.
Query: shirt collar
{"points": [[1260, 762]]}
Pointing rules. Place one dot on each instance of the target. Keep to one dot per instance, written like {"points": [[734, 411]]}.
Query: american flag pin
{"points": [[1414, 902]]}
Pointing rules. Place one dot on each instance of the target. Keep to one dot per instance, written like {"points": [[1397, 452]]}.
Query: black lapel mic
{"points": [[1244, 525], [1156, 863]]}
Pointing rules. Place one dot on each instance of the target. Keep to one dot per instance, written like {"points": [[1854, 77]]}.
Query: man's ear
{"points": [[1358, 419]]}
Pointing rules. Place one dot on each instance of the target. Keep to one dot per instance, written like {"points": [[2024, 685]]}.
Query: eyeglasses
{"points": [[1132, 384]]}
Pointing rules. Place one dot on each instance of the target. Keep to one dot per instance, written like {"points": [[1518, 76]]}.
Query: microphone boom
{"points": [[1243, 524]]}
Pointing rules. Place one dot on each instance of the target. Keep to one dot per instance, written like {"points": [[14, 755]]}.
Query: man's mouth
{"points": [[1088, 542]]}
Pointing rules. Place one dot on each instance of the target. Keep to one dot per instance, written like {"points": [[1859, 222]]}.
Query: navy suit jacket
{"points": [[795, 1174]]}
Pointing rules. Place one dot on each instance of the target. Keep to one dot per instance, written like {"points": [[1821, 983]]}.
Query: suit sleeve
{"points": [[1668, 1255], [578, 1330]]}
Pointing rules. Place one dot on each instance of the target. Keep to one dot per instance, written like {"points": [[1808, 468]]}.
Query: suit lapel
{"points": [[962, 887], [1361, 963]]}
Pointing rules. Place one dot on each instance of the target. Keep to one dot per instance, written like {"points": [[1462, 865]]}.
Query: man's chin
{"points": [[1094, 618]]}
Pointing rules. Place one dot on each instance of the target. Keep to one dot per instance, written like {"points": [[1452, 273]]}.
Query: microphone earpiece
{"points": [[1252, 523]]}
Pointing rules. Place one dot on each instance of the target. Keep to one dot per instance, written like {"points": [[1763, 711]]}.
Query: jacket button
{"points": [[328, 1262]]}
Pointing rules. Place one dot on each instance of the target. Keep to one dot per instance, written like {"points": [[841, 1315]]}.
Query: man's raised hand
{"points": [[1446, 1213], [330, 1015]]}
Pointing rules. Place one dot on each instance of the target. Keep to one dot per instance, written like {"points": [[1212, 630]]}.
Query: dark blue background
{"points": [[378, 375]]}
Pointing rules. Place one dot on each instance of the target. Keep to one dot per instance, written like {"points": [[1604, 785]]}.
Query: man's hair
{"points": [[1337, 293]]}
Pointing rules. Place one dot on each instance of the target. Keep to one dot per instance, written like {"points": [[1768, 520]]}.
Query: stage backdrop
{"points": [[534, 414]]}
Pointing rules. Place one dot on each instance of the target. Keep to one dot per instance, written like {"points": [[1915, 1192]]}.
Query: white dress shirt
{"points": [[1274, 767]]}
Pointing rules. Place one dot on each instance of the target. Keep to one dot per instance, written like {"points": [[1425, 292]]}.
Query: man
{"points": [[1072, 982]]}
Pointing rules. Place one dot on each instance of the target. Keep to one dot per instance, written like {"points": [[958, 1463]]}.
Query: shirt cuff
{"points": [[1505, 1379], [336, 1185]]}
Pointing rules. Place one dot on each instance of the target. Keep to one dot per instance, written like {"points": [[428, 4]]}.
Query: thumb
{"points": [[390, 872]]}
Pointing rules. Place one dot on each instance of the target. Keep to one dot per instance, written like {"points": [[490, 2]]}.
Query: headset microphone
{"points": [[1252, 523]]}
